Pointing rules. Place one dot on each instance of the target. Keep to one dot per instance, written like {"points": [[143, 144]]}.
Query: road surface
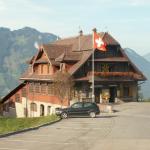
{"points": [[126, 129]]}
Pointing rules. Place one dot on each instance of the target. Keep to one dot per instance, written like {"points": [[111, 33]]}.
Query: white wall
{"points": [[19, 110]]}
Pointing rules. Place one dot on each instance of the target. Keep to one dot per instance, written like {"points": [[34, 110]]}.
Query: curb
{"points": [[28, 129]]}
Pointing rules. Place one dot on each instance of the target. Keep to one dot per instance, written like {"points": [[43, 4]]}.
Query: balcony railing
{"points": [[116, 74]]}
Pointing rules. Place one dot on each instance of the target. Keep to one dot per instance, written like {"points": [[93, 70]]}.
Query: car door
{"points": [[76, 109], [87, 107]]}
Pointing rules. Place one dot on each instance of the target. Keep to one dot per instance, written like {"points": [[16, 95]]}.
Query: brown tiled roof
{"points": [[84, 57], [68, 49], [55, 63], [5, 98], [133, 65], [60, 58], [41, 61], [86, 41], [69, 56], [54, 50]]}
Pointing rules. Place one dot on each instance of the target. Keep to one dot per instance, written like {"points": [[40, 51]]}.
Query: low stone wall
{"points": [[106, 108]]}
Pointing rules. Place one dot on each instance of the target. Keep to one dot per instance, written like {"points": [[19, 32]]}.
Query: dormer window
{"points": [[48, 68], [42, 68]]}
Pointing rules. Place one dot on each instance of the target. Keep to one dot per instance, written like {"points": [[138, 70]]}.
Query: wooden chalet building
{"points": [[116, 77]]}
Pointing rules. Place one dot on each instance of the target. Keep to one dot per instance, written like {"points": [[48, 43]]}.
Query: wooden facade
{"points": [[116, 77]]}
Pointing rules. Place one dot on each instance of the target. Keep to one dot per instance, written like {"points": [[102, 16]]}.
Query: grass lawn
{"points": [[13, 124]]}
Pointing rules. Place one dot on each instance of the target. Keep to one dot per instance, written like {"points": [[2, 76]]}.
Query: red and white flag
{"points": [[98, 42]]}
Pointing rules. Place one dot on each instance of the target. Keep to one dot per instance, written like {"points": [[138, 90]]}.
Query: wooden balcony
{"points": [[116, 74]]}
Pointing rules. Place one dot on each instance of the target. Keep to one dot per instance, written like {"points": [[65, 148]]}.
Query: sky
{"points": [[126, 20]]}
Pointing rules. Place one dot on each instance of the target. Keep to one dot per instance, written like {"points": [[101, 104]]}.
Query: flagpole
{"points": [[93, 68]]}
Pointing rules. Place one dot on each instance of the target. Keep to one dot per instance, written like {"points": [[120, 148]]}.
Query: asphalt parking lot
{"points": [[128, 128]]}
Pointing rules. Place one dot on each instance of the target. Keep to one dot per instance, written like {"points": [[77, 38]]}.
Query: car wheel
{"points": [[92, 114], [64, 115]]}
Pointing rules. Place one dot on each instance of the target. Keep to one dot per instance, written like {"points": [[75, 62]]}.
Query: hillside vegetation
{"points": [[16, 47], [144, 66]]}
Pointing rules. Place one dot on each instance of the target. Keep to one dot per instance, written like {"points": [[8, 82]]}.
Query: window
{"points": [[11, 104], [77, 105], [33, 107], [50, 89], [48, 110], [42, 110], [37, 87], [24, 92], [48, 68], [86, 105], [126, 91], [43, 88], [17, 97], [42, 69], [31, 87], [36, 69], [6, 107], [105, 67]]}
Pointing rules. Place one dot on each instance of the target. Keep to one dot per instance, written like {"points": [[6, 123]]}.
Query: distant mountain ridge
{"points": [[147, 56], [144, 66], [16, 47]]}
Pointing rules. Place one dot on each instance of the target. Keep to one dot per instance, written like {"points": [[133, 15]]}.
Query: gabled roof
{"points": [[133, 65], [11, 93], [55, 50], [69, 49], [86, 41]]}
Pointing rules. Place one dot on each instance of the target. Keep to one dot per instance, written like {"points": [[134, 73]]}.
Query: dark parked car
{"points": [[79, 109]]}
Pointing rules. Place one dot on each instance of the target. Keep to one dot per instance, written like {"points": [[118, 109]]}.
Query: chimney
{"points": [[94, 30], [80, 32]]}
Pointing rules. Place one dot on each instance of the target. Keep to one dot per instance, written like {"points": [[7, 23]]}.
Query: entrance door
{"points": [[97, 95], [113, 93], [41, 110]]}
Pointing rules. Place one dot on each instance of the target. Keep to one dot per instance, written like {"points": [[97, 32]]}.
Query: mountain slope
{"points": [[144, 66], [16, 47], [147, 57]]}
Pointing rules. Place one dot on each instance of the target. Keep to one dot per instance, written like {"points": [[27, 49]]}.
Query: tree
{"points": [[62, 85]]}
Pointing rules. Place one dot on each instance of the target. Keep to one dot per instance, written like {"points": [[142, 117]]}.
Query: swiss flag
{"points": [[98, 42]]}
